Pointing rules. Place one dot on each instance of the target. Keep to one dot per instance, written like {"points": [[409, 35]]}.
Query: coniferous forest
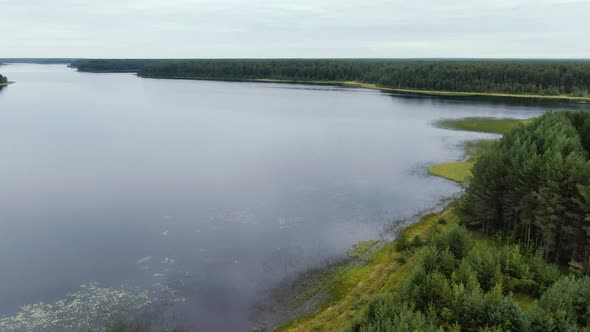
{"points": [[3, 79], [112, 65], [543, 77], [458, 284], [534, 185]]}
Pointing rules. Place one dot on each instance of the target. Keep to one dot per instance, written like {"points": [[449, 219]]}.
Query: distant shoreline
{"points": [[355, 84]]}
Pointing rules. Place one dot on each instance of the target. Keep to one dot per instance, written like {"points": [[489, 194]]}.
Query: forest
{"points": [[45, 61], [542, 77], [3, 79], [459, 284], [112, 65], [534, 186]]}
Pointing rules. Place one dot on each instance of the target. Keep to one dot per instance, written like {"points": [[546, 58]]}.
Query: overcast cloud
{"points": [[296, 28]]}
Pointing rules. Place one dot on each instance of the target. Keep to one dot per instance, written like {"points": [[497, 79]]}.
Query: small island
{"points": [[4, 81]]}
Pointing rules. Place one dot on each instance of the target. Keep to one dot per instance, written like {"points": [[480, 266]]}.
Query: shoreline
{"points": [[372, 86], [7, 83], [351, 286], [310, 292]]}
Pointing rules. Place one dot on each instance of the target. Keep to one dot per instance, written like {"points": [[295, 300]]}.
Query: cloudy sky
{"points": [[294, 28]]}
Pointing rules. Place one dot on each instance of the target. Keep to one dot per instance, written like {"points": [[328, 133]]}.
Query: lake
{"points": [[216, 190]]}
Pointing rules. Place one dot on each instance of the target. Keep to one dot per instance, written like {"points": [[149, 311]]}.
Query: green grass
{"points": [[360, 248], [458, 171], [484, 125]]}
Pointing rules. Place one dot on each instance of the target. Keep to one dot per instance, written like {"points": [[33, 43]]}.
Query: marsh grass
{"points": [[458, 171], [483, 125]]}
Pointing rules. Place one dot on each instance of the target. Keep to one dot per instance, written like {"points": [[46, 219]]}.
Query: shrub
{"points": [[383, 315], [417, 242], [401, 243], [570, 298], [457, 239]]}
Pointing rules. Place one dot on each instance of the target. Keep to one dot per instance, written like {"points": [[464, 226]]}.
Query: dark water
{"points": [[221, 189]]}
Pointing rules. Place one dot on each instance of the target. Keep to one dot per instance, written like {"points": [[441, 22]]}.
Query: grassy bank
{"points": [[460, 171], [389, 271], [353, 287]]}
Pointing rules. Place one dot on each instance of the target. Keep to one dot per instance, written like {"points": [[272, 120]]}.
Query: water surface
{"points": [[219, 189]]}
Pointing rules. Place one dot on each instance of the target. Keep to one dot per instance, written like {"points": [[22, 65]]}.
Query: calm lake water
{"points": [[220, 190]]}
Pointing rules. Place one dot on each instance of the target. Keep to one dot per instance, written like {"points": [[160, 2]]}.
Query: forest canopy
{"points": [[3, 79], [45, 61], [543, 77], [458, 283], [534, 186], [112, 65]]}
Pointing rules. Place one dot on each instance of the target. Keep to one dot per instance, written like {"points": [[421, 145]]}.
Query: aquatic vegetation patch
{"points": [[91, 308]]}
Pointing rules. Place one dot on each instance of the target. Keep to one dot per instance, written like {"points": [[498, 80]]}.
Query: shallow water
{"points": [[219, 189]]}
